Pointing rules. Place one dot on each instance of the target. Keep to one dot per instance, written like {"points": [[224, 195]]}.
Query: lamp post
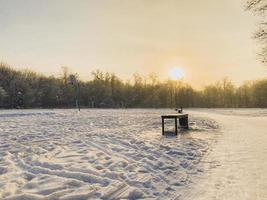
{"points": [[73, 81]]}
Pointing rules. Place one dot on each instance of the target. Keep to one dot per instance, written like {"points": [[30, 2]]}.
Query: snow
{"points": [[236, 164], [108, 154], [121, 154]]}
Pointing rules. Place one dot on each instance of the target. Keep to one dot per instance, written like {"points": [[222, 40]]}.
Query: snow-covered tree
{"points": [[259, 7]]}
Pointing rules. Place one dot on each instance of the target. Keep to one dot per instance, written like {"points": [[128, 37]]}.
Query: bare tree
{"points": [[259, 7]]}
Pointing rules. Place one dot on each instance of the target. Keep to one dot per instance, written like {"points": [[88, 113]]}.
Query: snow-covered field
{"points": [[120, 154]]}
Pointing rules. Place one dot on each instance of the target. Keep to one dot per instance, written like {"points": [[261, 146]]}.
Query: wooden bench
{"points": [[183, 121]]}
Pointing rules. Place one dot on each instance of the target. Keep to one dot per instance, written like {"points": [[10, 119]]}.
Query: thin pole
{"points": [[78, 96], [176, 131]]}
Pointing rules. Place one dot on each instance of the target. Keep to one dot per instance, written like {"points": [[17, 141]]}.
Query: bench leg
{"points": [[162, 123]]}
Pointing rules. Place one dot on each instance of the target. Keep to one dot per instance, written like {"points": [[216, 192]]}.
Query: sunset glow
{"points": [[212, 38], [176, 73]]}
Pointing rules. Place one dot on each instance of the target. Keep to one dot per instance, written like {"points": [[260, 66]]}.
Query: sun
{"points": [[176, 73]]}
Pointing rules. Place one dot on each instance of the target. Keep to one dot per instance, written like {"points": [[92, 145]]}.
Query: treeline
{"points": [[27, 89]]}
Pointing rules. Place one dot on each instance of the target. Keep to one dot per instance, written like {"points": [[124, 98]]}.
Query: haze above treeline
{"points": [[208, 39], [28, 89]]}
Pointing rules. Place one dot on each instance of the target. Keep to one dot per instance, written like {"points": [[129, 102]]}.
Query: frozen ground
{"points": [[97, 154], [237, 161], [120, 154]]}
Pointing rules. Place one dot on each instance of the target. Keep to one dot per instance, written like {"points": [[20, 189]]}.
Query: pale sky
{"points": [[208, 39]]}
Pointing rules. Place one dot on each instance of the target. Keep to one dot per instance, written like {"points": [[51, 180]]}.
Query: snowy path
{"points": [[238, 161]]}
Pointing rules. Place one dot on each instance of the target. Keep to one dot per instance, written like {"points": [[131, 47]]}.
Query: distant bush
{"points": [[3, 95]]}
